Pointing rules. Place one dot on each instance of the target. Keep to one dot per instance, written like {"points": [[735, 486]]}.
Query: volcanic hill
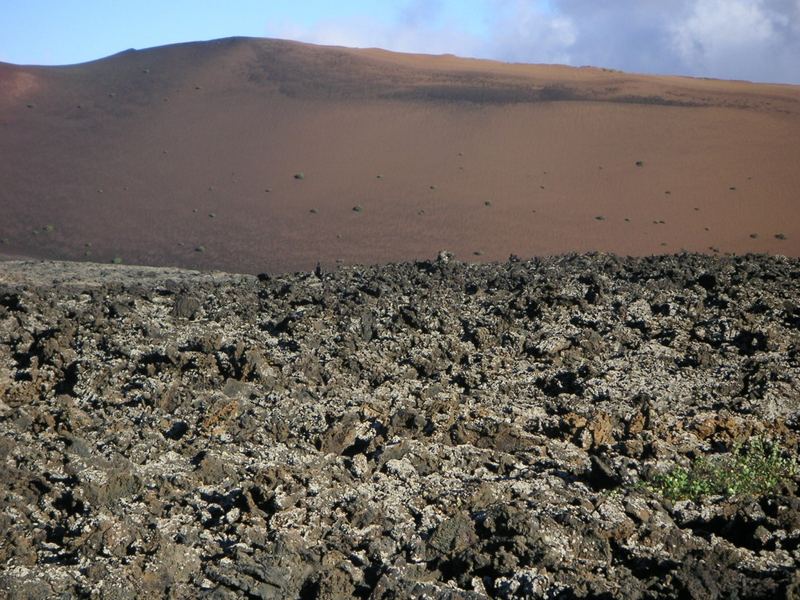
{"points": [[256, 154]]}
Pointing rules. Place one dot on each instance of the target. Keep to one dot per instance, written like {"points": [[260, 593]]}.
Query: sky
{"points": [[758, 40]]}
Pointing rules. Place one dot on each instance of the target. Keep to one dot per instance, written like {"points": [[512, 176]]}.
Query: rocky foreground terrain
{"points": [[435, 429]]}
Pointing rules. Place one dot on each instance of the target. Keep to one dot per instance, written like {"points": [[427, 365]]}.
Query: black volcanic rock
{"points": [[438, 428], [186, 307]]}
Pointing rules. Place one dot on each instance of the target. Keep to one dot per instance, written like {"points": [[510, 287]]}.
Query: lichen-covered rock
{"points": [[431, 429]]}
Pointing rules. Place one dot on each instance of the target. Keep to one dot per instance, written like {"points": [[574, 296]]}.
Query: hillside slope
{"points": [[131, 155]]}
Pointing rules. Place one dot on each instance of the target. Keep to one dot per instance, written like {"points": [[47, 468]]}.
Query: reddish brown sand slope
{"points": [[132, 155]]}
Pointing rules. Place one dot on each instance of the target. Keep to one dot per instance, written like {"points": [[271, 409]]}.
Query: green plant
{"points": [[754, 469]]}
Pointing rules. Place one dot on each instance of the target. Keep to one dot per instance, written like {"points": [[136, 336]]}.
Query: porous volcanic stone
{"points": [[432, 429]]}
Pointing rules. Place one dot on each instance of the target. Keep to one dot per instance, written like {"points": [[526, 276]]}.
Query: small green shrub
{"points": [[754, 469]]}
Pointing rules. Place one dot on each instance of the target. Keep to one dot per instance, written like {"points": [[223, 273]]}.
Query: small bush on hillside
{"points": [[754, 469]]}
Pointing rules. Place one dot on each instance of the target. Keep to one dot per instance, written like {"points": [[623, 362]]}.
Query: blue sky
{"points": [[736, 39]]}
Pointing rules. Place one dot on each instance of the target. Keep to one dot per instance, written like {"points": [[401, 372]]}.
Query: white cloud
{"points": [[749, 39], [739, 39], [529, 31], [418, 26], [716, 33]]}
